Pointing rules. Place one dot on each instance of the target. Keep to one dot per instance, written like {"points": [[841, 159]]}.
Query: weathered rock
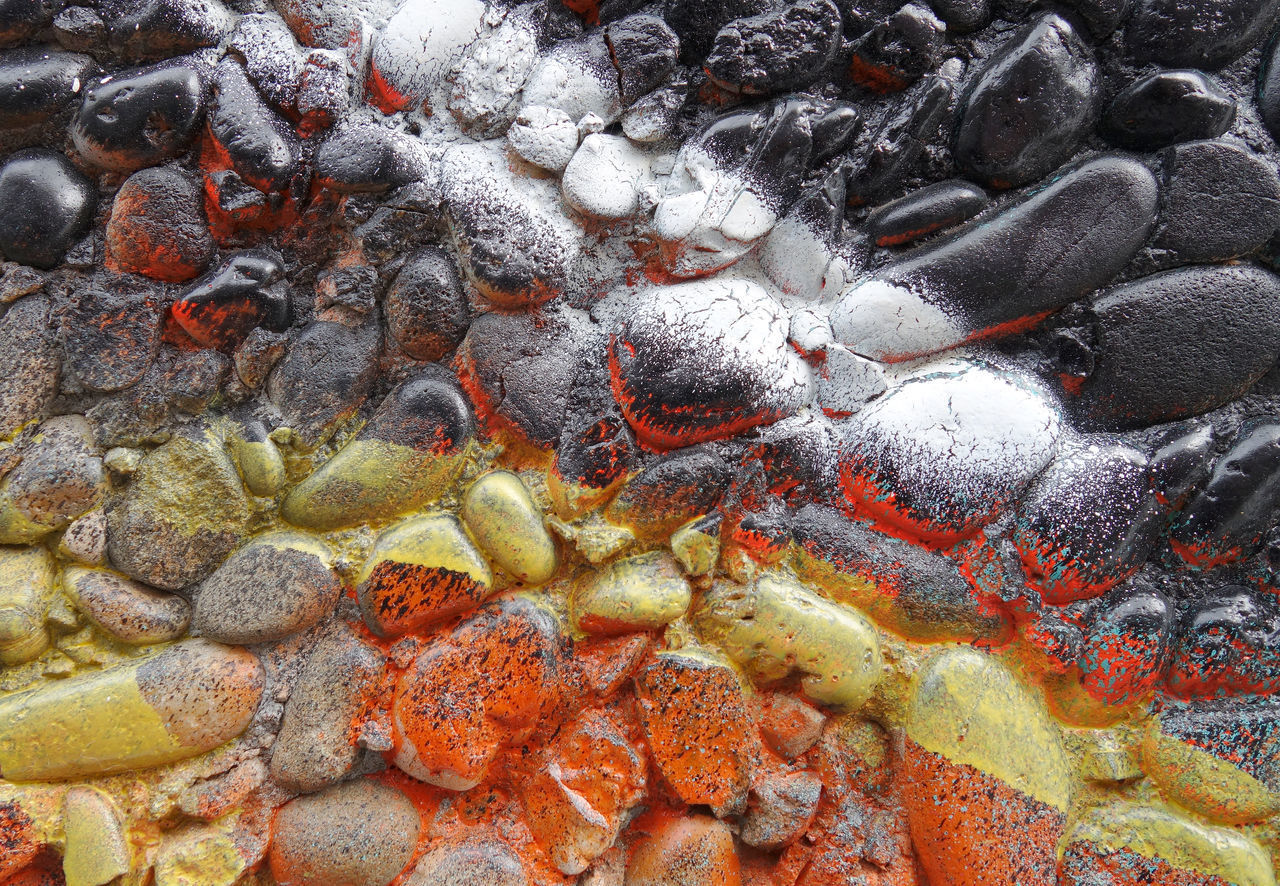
{"points": [[507, 524], [361, 156], [271, 58], [897, 51], [670, 492], [1126, 644], [111, 333], [239, 295], [697, 22], [798, 252], [780, 810], [481, 861], [606, 177], [27, 592], [139, 117], [158, 227], [59, 478], [422, 43], [96, 851], [644, 592], [686, 851], [254, 140], [1224, 646], [20, 19], [777, 50], [159, 29], [46, 204], [576, 77], [125, 610], [1166, 108], [426, 310], [29, 364], [644, 50], [1201, 36], [326, 375], [493, 71]]}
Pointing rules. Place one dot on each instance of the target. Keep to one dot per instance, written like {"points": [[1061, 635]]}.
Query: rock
{"points": [[478, 861], [645, 592], [126, 611], [139, 117], [545, 137], [697, 725], [361, 833], [276, 585], [240, 294], [59, 478], [112, 332], [80, 29], [21, 19], [898, 51], [181, 515], [607, 177], [798, 252], [27, 593], [96, 851], [696, 545], [1219, 201], [671, 492], [652, 118], [85, 539], [697, 22], [422, 43], [421, 571], [946, 452], [1166, 108], [184, 701], [407, 456], [686, 851], [780, 810], [45, 206], [962, 16], [925, 211], [256, 142], [487, 84], [775, 626], [362, 156], [426, 309], [1180, 343], [158, 228], [508, 526], [1126, 644], [324, 90], [29, 364], [158, 29], [597, 451], [327, 373], [271, 58], [1268, 96], [333, 26], [316, 746], [1224, 646], [1008, 137], [644, 50], [1038, 255], [37, 88], [703, 361], [1208, 36], [847, 382], [984, 766], [576, 77], [788, 725]]}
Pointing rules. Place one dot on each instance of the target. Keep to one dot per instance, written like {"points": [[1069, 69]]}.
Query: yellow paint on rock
{"points": [[27, 590], [261, 465], [436, 540], [1196, 779], [95, 850], [203, 856], [696, 547], [503, 519], [639, 593]]}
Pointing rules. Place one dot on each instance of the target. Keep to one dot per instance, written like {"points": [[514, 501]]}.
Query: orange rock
{"points": [[18, 846], [157, 227], [693, 851], [789, 725]]}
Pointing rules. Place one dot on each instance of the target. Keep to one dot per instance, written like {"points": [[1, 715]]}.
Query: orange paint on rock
{"points": [[693, 850], [408, 596]]}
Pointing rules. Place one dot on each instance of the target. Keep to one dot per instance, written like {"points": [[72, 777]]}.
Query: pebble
{"points": [[607, 178], [1268, 95], [46, 205], [240, 294], [651, 118], [158, 227], [325, 376], [1126, 645], [962, 16], [946, 452], [80, 29], [125, 610], [577, 77], [422, 43], [645, 592], [670, 492], [508, 526], [85, 539], [798, 252], [362, 156], [925, 211], [645, 51], [1204, 36], [776, 51], [685, 851], [1010, 135], [595, 456], [27, 593], [171, 706], [426, 309], [21, 19], [1040, 254], [59, 478], [316, 746], [474, 862], [139, 117], [166, 28], [271, 58], [254, 140], [407, 456], [96, 851], [29, 363], [696, 545], [847, 382], [780, 810], [1179, 344], [361, 833], [1166, 108], [703, 361], [486, 86], [38, 87], [112, 332], [545, 137], [898, 51]]}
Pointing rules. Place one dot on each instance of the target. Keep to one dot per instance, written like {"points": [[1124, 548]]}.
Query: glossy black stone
{"points": [[139, 117], [901, 137], [240, 294], [154, 29], [427, 412], [365, 157], [21, 19], [270, 57], [1181, 464], [37, 86], [898, 52], [924, 211], [1227, 643], [778, 50], [46, 205], [262, 147], [698, 21], [1205, 34], [645, 51], [1165, 108], [426, 309], [1126, 643], [962, 16], [1031, 105]]}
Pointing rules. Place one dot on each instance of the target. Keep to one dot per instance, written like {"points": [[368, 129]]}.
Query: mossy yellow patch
{"points": [[696, 546]]}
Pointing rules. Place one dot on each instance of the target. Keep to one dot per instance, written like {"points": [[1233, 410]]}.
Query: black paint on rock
{"points": [[671, 491], [37, 86], [426, 309], [112, 332], [899, 51], [45, 206], [154, 29], [698, 21], [644, 50], [363, 156], [29, 363], [261, 146], [136, 118], [778, 50], [1206, 34], [427, 413], [962, 16], [327, 374], [239, 295], [1226, 645], [1166, 108], [925, 211], [21, 19]]}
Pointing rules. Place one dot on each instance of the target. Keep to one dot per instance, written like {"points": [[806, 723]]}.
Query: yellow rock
{"points": [[27, 590], [508, 526], [96, 851], [261, 464], [696, 545], [775, 625], [204, 855], [639, 593]]}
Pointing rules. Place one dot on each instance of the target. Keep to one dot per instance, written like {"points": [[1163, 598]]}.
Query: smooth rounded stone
{"points": [[695, 718], [361, 156], [925, 211], [158, 29], [407, 456], [27, 591], [326, 374], [776, 626], [984, 766], [607, 177], [1202, 35], [139, 117], [85, 539], [125, 610], [59, 477], [1268, 95], [422, 43], [948, 451], [577, 77], [1011, 133], [361, 833], [184, 701], [514, 244], [645, 51], [182, 513], [1218, 201], [653, 117], [419, 572], [481, 861], [645, 592], [1126, 644], [1180, 343], [690, 850], [487, 84], [1166, 108], [271, 57], [158, 228], [315, 747], [324, 89], [335, 26], [276, 585], [508, 526], [1040, 254], [800, 249], [96, 851], [21, 19], [261, 147], [29, 363], [1222, 646], [425, 306], [46, 205], [545, 137], [705, 360], [37, 86], [962, 16], [898, 51], [1127, 845], [670, 492], [240, 294], [595, 456]]}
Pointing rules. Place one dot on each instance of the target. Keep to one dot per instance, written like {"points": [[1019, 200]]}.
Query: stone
{"points": [[27, 593], [254, 140], [139, 117], [361, 833], [158, 228], [651, 118], [925, 211], [96, 851], [324, 88], [160, 29], [38, 88], [788, 725], [29, 364], [425, 306], [1222, 646], [240, 294], [545, 137], [276, 585], [21, 19], [594, 458], [800, 249], [576, 77], [111, 333], [696, 545], [898, 51], [847, 382], [1166, 108], [645, 51], [59, 478], [482, 861], [125, 610], [685, 851], [1126, 644], [645, 592], [46, 205], [183, 701], [607, 177], [508, 526], [1009, 136], [421, 44], [780, 810], [80, 29], [1207, 36], [962, 16], [670, 492], [85, 539], [271, 58], [325, 376], [360, 156], [487, 84]]}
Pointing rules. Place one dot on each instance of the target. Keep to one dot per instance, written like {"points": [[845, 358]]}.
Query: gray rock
{"points": [[29, 363], [125, 610]]}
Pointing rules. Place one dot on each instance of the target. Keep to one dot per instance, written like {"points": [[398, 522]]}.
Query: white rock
{"points": [[881, 320], [486, 88], [606, 177], [577, 77], [795, 257], [810, 330], [848, 382], [546, 137], [422, 42]]}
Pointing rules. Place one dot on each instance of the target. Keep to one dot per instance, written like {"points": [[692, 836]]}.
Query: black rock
{"points": [[262, 147], [427, 412], [644, 50], [361, 156], [1181, 465], [962, 16], [21, 19], [1029, 108], [1227, 519], [1206, 34], [897, 52], [697, 22], [670, 492], [924, 211], [37, 86], [1165, 108], [594, 455], [139, 117], [801, 458], [46, 205], [426, 309], [221, 309], [1269, 88], [326, 375], [112, 332], [777, 51], [270, 56], [80, 29], [1218, 201], [1180, 343], [156, 29], [1126, 644], [1226, 646]]}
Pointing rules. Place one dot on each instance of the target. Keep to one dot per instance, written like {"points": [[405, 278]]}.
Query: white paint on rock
{"points": [[486, 89], [847, 382], [573, 79], [545, 137], [886, 322], [423, 42], [606, 177]]}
